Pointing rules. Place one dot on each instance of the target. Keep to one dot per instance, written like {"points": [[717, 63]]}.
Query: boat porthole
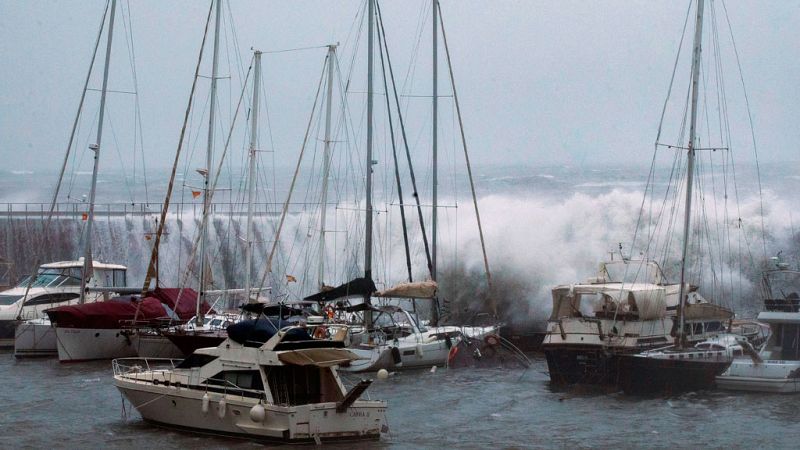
{"points": [[174, 403], [97, 335]]}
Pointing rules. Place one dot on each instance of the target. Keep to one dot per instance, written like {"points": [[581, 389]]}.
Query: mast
{"points": [[251, 179], [435, 141], [698, 36], [435, 151], [87, 253], [368, 225], [326, 167], [209, 161]]}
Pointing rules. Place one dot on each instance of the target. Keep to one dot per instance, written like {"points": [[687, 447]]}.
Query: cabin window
{"points": [[48, 299], [300, 385], [788, 338], [196, 360], [120, 279], [242, 379]]}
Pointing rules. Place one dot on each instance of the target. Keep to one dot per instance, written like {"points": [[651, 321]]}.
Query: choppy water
{"points": [[47, 404]]}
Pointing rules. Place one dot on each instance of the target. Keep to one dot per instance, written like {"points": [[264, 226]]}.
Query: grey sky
{"points": [[541, 82]]}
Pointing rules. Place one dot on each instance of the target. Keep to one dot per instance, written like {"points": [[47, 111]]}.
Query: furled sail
{"points": [[356, 287], [416, 289]]}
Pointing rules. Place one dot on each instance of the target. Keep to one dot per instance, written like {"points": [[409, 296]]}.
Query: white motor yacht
{"points": [[23, 323], [400, 342], [776, 368], [282, 390]]}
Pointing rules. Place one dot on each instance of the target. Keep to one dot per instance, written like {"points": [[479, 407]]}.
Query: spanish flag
{"points": [[196, 194], [291, 279]]}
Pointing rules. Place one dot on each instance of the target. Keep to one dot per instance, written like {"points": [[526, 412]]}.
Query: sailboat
{"points": [[67, 283], [103, 330], [679, 367], [388, 336]]}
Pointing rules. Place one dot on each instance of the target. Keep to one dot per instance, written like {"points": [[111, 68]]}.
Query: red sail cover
{"points": [[158, 305]]}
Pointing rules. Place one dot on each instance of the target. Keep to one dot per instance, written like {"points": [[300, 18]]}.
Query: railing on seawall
{"points": [[78, 209]]}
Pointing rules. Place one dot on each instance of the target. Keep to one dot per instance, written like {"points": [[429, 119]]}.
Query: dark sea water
{"points": [[51, 405]]}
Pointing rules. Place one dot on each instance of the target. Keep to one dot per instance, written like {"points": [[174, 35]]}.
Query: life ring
{"points": [[321, 332], [491, 339]]}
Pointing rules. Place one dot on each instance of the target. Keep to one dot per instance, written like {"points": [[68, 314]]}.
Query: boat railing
{"points": [[133, 368], [230, 388]]}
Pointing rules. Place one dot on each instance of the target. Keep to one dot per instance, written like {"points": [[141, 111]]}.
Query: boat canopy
{"points": [[320, 357], [647, 301], [160, 304], [706, 311], [417, 289]]}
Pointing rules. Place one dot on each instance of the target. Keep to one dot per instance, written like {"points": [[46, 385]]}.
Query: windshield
{"points": [[6, 300], [55, 277], [633, 272]]}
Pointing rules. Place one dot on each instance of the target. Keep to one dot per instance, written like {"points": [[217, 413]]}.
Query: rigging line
{"points": [[298, 49], [381, 49], [213, 184], [119, 154], [78, 114], [651, 174], [138, 107], [154, 254], [724, 125], [415, 191], [362, 12], [128, 39], [674, 71], [408, 81], [48, 221], [752, 129], [469, 166], [268, 268]]}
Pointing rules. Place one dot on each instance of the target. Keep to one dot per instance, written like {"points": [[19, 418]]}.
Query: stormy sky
{"points": [[541, 82]]}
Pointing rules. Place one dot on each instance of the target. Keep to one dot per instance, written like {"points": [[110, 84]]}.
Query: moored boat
{"points": [[23, 323], [678, 369], [776, 368], [103, 330], [287, 389], [612, 314]]}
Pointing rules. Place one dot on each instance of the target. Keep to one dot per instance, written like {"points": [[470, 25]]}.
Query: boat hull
{"points": [[571, 364], [150, 345], [188, 342], [7, 331], [642, 375], [88, 344], [36, 338], [182, 408], [775, 376]]}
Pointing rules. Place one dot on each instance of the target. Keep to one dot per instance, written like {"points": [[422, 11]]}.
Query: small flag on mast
{"points": [[291, 279], [196, 194]]}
